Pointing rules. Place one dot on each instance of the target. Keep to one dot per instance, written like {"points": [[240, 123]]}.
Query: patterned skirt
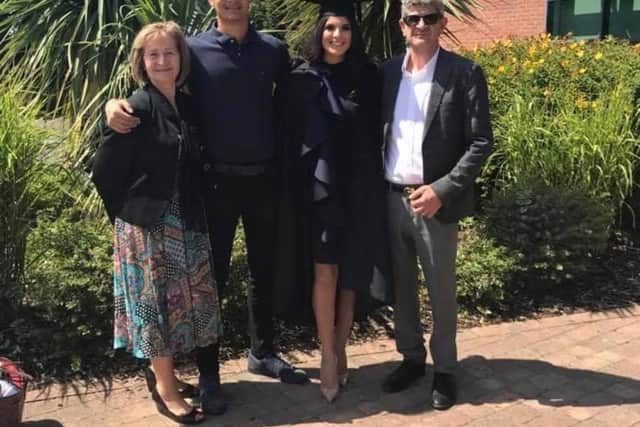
{"points": [[166, 301]]}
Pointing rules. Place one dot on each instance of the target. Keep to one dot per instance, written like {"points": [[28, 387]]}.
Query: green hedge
{"points": [[553, 231], [484, 268], [564, 112]]}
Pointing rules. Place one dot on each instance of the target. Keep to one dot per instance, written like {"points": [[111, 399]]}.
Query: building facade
{"points": [[521, 18]]}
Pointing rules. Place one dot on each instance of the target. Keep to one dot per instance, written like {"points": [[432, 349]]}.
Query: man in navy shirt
{"points": [[235, 72]]}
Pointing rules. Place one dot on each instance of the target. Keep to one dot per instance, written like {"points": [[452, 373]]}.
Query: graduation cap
{"points": [[349, 8]]}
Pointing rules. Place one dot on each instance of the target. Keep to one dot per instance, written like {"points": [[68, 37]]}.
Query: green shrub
{"points": [[565, 112], [549, 69], [484, 268], [553, 230], [67, 317], [23, 148], [591, 148]]}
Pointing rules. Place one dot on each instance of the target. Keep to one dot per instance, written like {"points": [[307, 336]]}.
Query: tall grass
{"points": [[576, 143], [23, 151], [565, 113]]}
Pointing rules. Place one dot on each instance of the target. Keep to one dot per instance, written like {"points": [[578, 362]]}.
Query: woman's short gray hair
{"points": [[438, 5]]}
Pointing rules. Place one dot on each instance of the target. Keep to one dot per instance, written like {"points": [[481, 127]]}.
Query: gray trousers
{"points": [[412, 238]]}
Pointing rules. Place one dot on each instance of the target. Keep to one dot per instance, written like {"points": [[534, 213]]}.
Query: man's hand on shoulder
{"points": [[119, 115], [425, 201]]}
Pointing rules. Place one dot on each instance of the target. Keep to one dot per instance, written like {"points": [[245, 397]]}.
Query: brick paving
{"points": [[572, 370]]}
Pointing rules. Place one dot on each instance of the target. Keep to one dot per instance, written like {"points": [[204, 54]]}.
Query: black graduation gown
{"points": [[344, 116]]}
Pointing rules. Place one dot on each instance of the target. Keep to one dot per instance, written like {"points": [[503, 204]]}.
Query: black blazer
{"points": [[458, 136], [136, 173]]}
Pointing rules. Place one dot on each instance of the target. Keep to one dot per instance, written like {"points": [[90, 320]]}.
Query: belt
{"points": [[240, 169], [405, 189]]}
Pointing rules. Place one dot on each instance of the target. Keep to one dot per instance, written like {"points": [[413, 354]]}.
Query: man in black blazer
{"points": [[437, 134]]}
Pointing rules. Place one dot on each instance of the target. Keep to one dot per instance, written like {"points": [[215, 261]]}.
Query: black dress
{"points": [[333, 208]]}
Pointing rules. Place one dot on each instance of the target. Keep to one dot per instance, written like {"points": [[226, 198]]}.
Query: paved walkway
{"points": [[582, 369]]}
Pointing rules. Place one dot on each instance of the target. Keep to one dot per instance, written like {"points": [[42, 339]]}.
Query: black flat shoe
{"points": [[443, 394], [186, 390], [193, 417], [403, 376]]}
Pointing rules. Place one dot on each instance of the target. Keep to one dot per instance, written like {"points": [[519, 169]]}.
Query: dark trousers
{"points": [[253, 198]]}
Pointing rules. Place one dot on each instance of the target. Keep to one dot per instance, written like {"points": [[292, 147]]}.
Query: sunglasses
{"points": [[429, 19]]}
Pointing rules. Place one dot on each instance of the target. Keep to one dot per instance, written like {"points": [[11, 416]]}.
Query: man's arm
{"points": [[119, 116]]}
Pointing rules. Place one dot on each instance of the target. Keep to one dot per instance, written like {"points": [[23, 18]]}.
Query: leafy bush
{"points": [[23, 147], [67, 316], [484, 268], [553, 230], [565, 112], [549, 69]]}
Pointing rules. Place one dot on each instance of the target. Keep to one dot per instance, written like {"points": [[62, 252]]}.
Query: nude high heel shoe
{"points": [[329, 386]]}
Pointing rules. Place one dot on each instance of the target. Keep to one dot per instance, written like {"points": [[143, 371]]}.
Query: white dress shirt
{"points": [[403, 161]]}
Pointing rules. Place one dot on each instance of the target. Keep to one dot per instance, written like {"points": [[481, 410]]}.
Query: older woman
{"points": [[335, 185], [166, 301]]}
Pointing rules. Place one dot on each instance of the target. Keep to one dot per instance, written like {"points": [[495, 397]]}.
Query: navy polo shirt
{"points": [[233, 87]]}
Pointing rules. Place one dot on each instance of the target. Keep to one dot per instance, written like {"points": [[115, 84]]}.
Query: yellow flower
{"points": [[598, 55], [532, 50], [582, 70], [573, 46], [531, 70], [541, 61], [594, 104], [563, 49], [581, 103], [546, 92], [501, 69], [580, 53]]}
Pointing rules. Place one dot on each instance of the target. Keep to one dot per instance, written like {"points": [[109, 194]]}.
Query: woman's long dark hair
{"points": [[356, 55]]}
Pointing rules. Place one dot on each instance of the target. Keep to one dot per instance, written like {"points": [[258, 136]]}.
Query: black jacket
{"points": [[457, 138], [136, 174]]}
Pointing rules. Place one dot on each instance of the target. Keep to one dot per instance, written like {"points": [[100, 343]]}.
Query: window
{"points": [[585, 18]]}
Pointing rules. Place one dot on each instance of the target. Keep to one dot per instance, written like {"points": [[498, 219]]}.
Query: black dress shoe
{"points": [[403, 376], [443, 394]]}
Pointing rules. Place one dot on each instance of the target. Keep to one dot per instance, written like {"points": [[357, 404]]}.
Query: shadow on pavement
{"points": [[480, 381], [42, 423]]}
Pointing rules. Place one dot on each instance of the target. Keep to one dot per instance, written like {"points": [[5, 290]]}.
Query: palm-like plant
{"points": [[73, 53], [379, 22]]}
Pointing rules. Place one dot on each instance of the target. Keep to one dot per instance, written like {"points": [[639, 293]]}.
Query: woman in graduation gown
{"points": [[332, 252]]}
